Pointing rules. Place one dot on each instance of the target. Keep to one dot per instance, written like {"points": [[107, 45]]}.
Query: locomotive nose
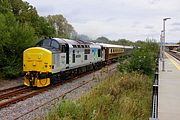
{"points": [[36, 59], [37, 62]]}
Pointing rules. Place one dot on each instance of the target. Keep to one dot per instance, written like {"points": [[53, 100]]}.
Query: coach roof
{"points": [[111, 45]]}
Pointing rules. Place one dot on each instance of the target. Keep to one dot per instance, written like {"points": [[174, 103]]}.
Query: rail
{"points": [[176, 55], [155, 93]]}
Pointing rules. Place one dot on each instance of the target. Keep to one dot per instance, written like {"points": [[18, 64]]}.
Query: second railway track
{"points": [[176, 55], [11, 89]]}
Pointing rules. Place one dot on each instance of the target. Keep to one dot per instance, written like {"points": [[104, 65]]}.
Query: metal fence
{"points": [[155, 93]]}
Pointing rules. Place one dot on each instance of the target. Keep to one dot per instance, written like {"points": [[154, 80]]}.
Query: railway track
{"points": [[15, 94], [58, 97], [11, 89], [12, 95], [176, 55]]}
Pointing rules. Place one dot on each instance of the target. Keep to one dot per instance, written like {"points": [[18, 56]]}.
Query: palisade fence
{"points": [[155, 93]]}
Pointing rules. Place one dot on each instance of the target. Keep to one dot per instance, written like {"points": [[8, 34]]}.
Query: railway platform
{"points": [[169, 89]]}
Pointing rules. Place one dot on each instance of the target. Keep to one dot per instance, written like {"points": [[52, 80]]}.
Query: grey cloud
{"points": [[177, 29], [149, 27], [176, 24], [154, 1], [135, 24]]}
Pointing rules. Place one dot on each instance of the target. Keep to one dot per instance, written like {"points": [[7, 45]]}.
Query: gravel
{"points": [[10, 83], [13, 111]]}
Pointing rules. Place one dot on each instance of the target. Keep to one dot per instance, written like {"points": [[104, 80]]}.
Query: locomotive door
{"points": [[67, 54], [73, 57]]}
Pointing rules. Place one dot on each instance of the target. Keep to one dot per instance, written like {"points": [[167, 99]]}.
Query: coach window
{"points": [[55, 45]]}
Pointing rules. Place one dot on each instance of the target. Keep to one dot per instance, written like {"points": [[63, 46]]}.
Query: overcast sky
{"points": [[116, 19]]}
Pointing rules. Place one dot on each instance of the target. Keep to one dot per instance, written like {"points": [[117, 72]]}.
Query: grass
{"points": [[120, 97]]}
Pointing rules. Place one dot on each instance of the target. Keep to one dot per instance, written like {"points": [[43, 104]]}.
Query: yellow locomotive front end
{"points": [[37, 65]]}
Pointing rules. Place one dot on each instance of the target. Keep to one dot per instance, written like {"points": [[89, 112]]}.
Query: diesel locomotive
{"points": [[51, 58]]}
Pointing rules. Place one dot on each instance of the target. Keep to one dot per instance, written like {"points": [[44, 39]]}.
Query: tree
{"points": [[124, 42], [82, 37], [14, 38], [102, 39], [27, 14], [4, 6], [63, 28]]}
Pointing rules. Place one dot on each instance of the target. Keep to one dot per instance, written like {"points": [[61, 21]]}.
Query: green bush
{"points": [[142, 59]]}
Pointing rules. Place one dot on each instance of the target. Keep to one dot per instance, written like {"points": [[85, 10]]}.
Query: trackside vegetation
{"points": [[126, 95], [120, 97], [142, 58]]}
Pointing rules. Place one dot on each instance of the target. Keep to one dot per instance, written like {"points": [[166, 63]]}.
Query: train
{"points": [[53, 59]]}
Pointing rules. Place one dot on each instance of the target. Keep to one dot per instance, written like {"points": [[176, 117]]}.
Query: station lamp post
{"points": [[163, 45]]}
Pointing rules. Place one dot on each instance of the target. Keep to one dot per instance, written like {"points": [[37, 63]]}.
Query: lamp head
{"points": [[166, 19]]}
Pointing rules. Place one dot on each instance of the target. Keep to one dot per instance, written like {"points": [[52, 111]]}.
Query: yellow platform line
{"points": [[174, 62]]}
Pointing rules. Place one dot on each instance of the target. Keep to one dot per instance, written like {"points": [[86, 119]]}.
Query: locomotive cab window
{"points": [[46, 43], [55, 45]]}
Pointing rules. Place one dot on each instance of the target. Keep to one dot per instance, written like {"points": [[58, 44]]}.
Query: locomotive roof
{"points": [[72, 42], [59, 40]]}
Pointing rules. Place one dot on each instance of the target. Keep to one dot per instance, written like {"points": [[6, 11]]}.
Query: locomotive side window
{"points": [[86, 51], [74, 46], [63, 50], [85, 57]]}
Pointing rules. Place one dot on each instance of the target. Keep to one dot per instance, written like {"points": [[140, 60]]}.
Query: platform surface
{"points": [[169, 90]]}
